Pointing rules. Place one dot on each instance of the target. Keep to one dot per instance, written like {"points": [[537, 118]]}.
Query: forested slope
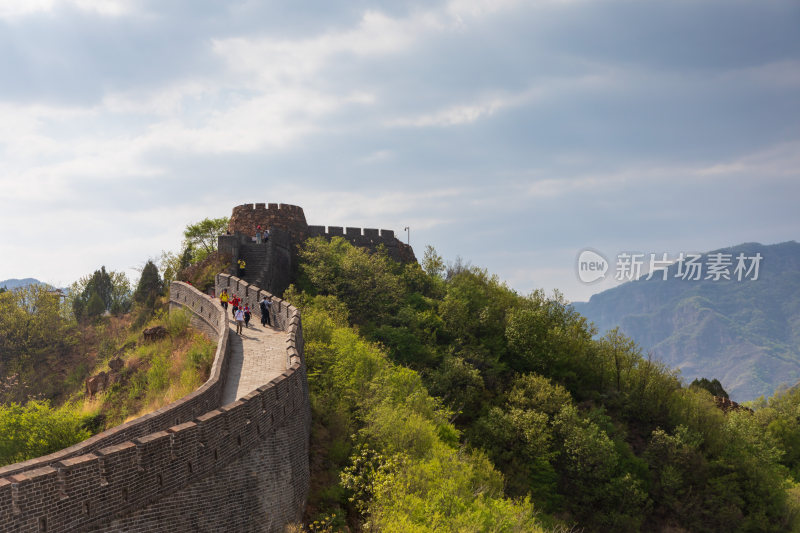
{"points": [[430, 382]]}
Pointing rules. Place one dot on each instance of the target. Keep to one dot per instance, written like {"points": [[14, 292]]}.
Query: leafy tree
{"points": [[169, 264], [600, 492], [532, 391], [364, 281], [121, 293], [32, 325], [460, 386], [95, 306], [432, 263], [105, 291], [98, 286], [36, 429], [546, 336], [201, 238], [520, 442]]}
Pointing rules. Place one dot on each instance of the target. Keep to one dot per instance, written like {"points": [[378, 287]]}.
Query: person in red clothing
{"points": [[235, 304]]}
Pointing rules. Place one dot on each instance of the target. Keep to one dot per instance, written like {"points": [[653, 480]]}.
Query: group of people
{"points": [[241, 311], [262, 234]]}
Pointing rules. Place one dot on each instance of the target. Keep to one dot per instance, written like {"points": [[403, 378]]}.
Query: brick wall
{"points": [[189, 466], [291, 220], [368, 238]]}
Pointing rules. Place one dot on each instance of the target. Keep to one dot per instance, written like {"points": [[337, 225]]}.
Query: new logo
{"points": [[592, 266]]}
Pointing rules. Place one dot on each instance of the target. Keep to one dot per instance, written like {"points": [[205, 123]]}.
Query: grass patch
{"points": [[155, 374]]}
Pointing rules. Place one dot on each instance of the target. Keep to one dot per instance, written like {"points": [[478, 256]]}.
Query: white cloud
{"points": [[341, 207], [774, 163], [376, 156], [269, 62], [10, 9], [779, 161], [453, 116], [478, 8], [167, 100], [253, 92]]}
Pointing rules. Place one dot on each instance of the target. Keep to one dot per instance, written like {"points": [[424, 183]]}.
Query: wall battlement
{"points": [[288, 230], [367, 238], [290, 218], [173, 471], [367, 235]]}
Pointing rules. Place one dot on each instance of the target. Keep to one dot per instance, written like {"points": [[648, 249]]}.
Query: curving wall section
{"points": [[191, 466]]}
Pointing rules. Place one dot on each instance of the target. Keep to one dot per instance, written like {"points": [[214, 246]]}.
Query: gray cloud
{"points": [[510, 133]]}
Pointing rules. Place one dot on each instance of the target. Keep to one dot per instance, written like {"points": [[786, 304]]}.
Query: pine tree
{"points": [[149, 287]]}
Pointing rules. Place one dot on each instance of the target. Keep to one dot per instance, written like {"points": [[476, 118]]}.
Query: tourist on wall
{"points": [[234, 305], [223, 299], [246, 316], [265, 305], [242, 264], [266, 235], [259, 235], [239, 321]]}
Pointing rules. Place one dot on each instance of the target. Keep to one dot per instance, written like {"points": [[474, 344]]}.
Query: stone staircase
{"points": [[257, 263]]}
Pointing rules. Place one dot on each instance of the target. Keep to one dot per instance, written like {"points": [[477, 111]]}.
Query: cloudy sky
{"points": [[511, 134]]}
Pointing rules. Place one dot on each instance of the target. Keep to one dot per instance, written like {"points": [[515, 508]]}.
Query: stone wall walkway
{"points": [[257, 356]]}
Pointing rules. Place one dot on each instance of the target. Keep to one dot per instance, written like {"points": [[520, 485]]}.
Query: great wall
{"points": [[271, 264], [222, 458], [231, 456], [194, 465]]}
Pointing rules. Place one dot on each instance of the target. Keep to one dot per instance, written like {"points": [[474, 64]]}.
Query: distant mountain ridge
{"points": [[14, 283], [744, 333]]}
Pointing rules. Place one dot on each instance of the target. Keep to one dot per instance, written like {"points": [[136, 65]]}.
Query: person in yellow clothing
{"points": [[241, 267], [223, 299]]}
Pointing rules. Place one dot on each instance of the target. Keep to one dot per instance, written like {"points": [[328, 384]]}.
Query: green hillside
{"points": [[744, 333], [433, 387], [442, 400], [49, 346]]}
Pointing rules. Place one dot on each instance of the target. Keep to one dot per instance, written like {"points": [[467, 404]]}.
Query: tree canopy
{"points": [[201, 237], [596, 433], [102, 291], [149, 286]]}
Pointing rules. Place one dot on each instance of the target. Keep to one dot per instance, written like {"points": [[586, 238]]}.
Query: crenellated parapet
{"points": [[290, 218], [276, 260], [191, 465], [369, 238]]}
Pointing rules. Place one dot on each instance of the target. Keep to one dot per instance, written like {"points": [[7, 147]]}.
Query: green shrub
{"points": [[36, 429], [201, 356], [177, 322]]}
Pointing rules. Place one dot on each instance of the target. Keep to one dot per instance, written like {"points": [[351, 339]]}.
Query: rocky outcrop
{"points": [[154, 333]]}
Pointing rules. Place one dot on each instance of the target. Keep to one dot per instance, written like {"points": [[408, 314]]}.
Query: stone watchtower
{"points": [[271, 264], [288, 218]]}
